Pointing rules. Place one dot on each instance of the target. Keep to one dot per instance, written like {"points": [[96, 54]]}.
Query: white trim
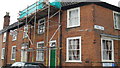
{"points": [[42, 42], [50, 51], [2, 55], [105, 38], [12, 52], [78, 8], [67, 60], [74, 61]]}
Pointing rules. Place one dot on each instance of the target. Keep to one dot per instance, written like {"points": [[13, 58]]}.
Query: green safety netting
{"points": [[38, 5]]}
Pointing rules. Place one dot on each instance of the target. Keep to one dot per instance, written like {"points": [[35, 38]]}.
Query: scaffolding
{"points": [[38, 10]]}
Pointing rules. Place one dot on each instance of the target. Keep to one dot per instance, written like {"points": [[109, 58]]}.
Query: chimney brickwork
{"points": [[6, 20]]}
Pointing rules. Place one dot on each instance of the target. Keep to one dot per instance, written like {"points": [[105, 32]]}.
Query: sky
{"points": [[14, 6]]}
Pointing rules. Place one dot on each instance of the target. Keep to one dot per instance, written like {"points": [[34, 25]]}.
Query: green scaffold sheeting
{"points": [[39, 4]]}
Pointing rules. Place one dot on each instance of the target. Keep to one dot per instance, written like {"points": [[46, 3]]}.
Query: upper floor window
{"points": [[73, 17], [14, 35], [107, 50], [3, 53], [40, 52], [25, 35], [117, 20], [4, 37], [13, 53], [41, 26], [74, 49]]}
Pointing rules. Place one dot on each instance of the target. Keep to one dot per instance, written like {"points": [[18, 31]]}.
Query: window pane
{"points": [[110, 55], [74, 55], [105, 56]]}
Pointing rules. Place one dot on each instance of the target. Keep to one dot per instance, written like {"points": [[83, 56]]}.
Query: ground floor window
{"points": [[3, 53], [74, 49], [13, 53], [40, 51], [107, 50], [23, 54]]}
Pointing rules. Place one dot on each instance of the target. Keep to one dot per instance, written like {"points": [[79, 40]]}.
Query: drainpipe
{"points": [[60, 41]]}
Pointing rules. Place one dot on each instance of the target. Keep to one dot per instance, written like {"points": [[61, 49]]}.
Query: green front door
{"points": [[52, 55], [52, 58]]}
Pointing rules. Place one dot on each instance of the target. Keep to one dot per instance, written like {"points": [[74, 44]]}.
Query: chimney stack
{"points": [[6, 20]]}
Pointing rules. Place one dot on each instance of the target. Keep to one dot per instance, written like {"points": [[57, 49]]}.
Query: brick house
{"points": [[79, 34]]}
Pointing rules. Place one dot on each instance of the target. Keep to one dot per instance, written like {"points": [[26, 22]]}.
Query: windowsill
{"points": [[74, 61], [73, 26], [116, 29], [108, 61], [40, 33], [13, 59], [13, 40], [25, 37], [39, 61]]}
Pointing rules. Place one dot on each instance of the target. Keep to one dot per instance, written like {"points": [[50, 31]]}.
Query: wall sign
{"points": [[98, 27], [109, 65]]}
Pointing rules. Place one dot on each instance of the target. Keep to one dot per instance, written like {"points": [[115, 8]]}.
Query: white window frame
{"points": [[3, 53], [25, 35], [12, 53], [4, 37], [40, 24], [78, 8], [37, 59], [14, 36], [67, 56], [114, 12], [106, 38]]}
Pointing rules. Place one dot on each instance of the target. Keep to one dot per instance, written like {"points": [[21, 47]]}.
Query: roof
{"points": [[11, 27], [68, 5], [65, 6]]}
